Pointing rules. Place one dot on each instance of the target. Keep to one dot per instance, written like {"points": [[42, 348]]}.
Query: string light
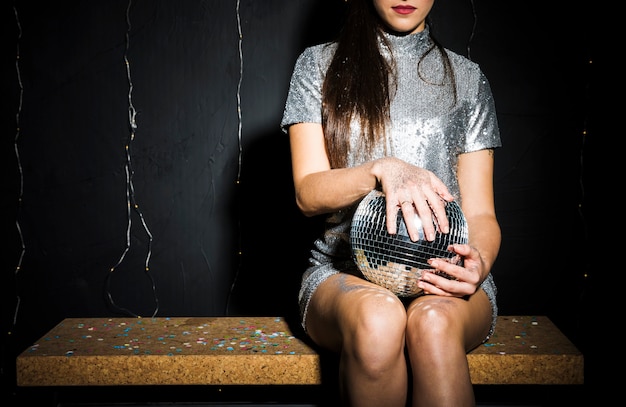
{"points": [[131, 203], [239, 138], [240, 50], [19, 163], [471, 37], [584, 136]]}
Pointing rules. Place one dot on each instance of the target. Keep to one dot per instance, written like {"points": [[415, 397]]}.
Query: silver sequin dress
{"points": [[427, 130]]}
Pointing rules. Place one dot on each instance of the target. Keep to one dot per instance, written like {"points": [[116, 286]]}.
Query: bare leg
{"points": [[365, 324], [440, 331]]}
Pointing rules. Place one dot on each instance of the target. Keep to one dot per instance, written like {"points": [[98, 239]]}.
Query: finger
{"points": [[467, 274], [430, 289], [463, 250], [440, 188], [426, 216], [438, 208], [391, 210], [413, 222], [438, 285]]}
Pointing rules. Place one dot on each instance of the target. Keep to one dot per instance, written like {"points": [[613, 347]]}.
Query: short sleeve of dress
{"points": [[482, 123], [304, 100]]}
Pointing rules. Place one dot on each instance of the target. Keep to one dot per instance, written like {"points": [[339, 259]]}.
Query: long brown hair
{"points": [[359, 82]]}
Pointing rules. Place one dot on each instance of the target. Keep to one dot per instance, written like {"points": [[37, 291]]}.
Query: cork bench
{"points": [[225, 351]]}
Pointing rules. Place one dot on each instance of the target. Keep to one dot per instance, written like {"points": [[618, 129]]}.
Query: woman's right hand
{"points": [[417, 192]]}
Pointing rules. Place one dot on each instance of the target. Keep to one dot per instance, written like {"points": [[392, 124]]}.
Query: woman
{"points": [[386, 107]]}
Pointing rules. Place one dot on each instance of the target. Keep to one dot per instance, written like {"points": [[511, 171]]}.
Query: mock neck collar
{"points": [[409, 43]]}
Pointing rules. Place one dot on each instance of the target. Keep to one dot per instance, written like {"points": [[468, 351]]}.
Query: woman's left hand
{"points": [[464, 280]]}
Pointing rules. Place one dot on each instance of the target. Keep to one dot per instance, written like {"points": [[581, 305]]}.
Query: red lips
{"points": [[404, 9]]}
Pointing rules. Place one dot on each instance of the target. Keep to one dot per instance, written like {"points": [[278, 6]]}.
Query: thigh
{"points": [[338, 301]]}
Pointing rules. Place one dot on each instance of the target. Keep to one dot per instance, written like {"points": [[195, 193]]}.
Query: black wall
{"points": [[209, 166]]}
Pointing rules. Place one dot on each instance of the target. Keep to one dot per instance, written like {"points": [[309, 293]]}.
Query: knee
{"points": [[380, 316], [431, 320], [376, 338]]}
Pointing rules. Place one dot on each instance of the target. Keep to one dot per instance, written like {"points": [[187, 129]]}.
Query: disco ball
{"points": [[395, 261]]}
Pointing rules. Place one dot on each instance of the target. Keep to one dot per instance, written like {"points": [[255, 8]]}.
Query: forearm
{"points": [[485, 236], [332, 190]]}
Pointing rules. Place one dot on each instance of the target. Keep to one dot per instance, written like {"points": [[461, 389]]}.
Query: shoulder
{"points": [[462, 62], [316, 55], [470, 78]]}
